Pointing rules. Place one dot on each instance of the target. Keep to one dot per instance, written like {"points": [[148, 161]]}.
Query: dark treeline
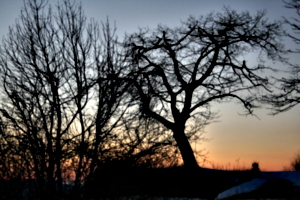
{"points": [[77, 102]]}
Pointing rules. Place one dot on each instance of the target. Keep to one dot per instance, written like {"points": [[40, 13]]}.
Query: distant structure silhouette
{"points": [[255, 167], [255, 171]]}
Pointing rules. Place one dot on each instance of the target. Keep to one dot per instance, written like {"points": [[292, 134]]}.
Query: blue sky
{"points": [[270, 140]]}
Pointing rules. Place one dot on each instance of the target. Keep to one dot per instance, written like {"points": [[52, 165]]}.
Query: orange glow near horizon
{"points": [[239, 141]]}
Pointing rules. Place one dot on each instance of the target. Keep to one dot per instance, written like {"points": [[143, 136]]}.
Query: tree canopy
{"points": [[179, 72]]}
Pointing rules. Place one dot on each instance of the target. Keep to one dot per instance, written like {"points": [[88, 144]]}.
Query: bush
{"points": [[295, 164]]}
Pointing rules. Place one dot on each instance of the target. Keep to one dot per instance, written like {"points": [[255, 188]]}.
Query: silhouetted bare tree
{"points": [[65, 101], [289, 89], [111, 99], [54, 68], [179, 72]]}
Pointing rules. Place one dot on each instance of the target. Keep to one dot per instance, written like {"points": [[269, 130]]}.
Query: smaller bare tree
{"points": [[288, 95]]}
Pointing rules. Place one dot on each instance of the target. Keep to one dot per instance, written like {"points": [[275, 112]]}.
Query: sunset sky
{"points": [[234, 140]]}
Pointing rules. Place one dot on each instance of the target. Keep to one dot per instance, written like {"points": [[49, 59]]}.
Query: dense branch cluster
{"points": [[64, 108]]}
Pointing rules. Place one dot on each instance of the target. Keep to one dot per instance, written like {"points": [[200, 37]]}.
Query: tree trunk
{"points": [[185, 148]]}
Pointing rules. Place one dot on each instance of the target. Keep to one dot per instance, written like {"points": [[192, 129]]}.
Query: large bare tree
{"points": [[64, 108], [179, 72], [58, 102]]}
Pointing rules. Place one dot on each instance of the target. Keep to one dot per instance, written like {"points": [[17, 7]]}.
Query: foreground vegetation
{"points": [[119, 182]]}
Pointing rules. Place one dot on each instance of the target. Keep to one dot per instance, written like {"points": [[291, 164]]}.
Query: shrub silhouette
{"points": [[295, 164], [255, 166]]}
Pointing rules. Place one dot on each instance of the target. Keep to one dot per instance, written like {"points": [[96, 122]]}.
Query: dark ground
{"points": [[166, 182], [113, 183]]}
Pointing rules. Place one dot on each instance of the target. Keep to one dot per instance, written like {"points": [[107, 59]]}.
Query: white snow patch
{"points": [[242, 188], [157, 198], [292, 176]]}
